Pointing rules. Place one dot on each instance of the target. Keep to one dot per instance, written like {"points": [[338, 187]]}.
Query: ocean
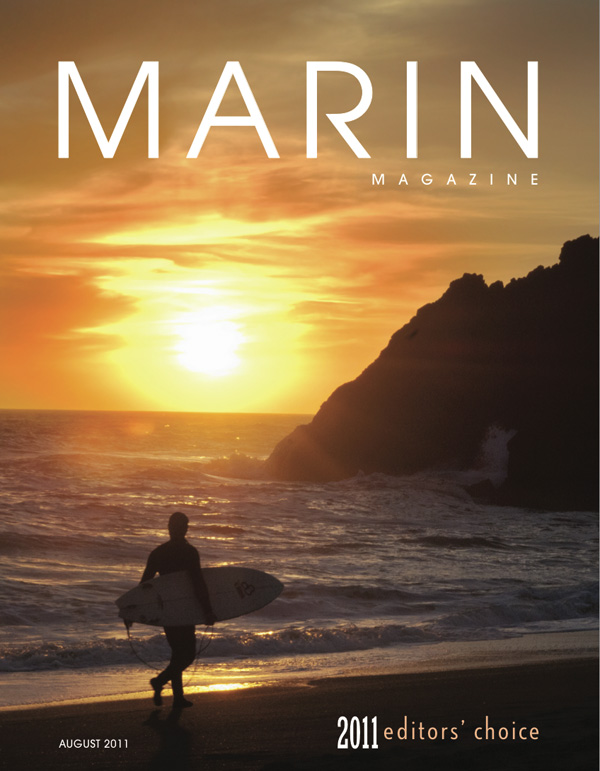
{"points": [[377, 570]]}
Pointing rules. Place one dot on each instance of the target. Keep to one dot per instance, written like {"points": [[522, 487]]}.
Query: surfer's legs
{"points": [[157, 687], [182, 640]]}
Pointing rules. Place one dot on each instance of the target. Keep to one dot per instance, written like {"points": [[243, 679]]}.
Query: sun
{"points": [[209, 346]]}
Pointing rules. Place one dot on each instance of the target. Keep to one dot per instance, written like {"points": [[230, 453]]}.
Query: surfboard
{"points": [[169, 600]]}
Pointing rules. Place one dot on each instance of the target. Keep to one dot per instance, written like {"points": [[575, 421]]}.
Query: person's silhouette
{"points": [[177, 554]]}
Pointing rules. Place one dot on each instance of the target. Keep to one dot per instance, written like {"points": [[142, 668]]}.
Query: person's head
{"points": [[178, 525]]}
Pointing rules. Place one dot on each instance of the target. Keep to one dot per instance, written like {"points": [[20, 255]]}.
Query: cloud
{"points": [[346, 264], [58, 312]]}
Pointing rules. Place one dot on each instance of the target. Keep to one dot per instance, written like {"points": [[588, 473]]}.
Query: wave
{"points": [[357, 591], [464, 542], [574, 608], [224, 529], [528, 606], [61, 543], [237, 466], [284, 642]]}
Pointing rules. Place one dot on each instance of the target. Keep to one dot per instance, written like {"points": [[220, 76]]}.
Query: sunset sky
{"points": [[235, 282]]}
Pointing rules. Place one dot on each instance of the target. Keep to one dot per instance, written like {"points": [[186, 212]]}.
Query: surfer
{"points": [[170, 557]]}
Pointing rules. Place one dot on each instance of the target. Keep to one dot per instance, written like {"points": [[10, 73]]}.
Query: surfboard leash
{"points": [[199, 650], [135, 653], [208, 633]]}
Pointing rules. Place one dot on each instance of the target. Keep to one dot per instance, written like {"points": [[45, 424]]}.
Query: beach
{"points": [[407, 605], [506, 715]]}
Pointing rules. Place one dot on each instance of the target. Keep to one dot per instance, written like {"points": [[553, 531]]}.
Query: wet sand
{"points": [[551, 710]]}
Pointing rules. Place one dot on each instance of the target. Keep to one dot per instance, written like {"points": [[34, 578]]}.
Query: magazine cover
{"points": [[299, 384]]}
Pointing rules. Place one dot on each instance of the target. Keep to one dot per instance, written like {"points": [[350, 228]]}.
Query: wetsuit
{"points": [[175, 555]]}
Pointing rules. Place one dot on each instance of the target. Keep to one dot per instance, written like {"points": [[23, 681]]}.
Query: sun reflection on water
{"points": [[218, 687]]}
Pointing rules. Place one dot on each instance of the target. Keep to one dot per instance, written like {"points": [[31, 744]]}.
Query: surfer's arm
{"points": [[150, 570]]}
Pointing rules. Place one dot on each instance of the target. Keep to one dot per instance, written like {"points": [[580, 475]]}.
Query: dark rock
{"points": [[522, 356]]}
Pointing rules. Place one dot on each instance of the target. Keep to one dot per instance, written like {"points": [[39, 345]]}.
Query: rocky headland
{"points": [[521, 356]]}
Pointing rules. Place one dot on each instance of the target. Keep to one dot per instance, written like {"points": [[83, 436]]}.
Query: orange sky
{"points": [[235, 282]]}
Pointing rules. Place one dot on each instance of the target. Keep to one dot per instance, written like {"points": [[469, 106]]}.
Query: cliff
{"points": [[522, 356]]}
